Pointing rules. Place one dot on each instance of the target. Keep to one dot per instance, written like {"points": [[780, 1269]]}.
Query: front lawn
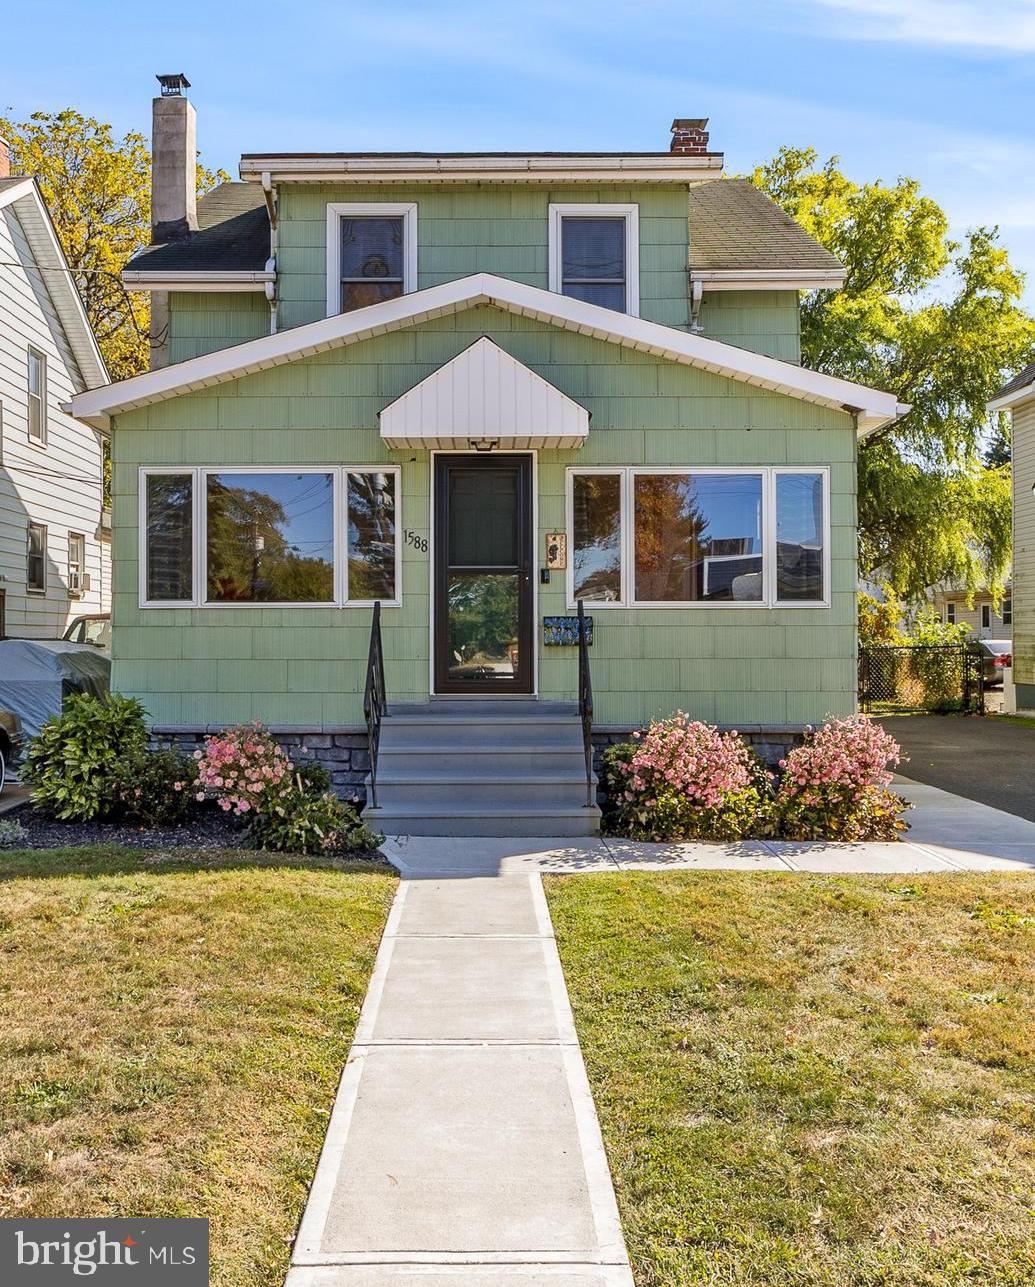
{"points": [[172, 1029], [808, 1080]]}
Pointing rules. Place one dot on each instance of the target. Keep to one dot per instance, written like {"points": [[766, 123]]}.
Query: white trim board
{"points": [[225, 281], [872, 408]]}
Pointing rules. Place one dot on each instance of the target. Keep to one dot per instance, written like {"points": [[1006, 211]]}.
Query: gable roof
{"points": [[233, 236], [484, 395], [738, 234], [23, 195], [872, 408], [1022, 386]]}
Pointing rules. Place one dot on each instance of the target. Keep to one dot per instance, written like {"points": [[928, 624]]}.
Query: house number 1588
{"points": [[418, 542]]}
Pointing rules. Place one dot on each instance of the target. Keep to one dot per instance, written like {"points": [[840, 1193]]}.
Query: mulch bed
{"points": [[207, 828]]}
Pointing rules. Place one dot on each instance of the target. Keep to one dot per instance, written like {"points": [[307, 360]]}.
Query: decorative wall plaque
{"points": [[557, 551], [563, 632]]}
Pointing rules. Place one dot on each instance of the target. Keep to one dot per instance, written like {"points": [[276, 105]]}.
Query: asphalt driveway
{"points": [[981, 759]]}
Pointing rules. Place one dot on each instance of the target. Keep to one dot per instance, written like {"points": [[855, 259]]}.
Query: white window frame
{"points": [[986, 616], [950, 612], [338, 210], [628, 473], [199, 520], [1007, 614], [76, 565], [574, 210], [40, 439], [39, 590]]}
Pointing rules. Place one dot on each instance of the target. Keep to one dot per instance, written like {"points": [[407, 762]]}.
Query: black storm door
{"points": [[483, 574]]}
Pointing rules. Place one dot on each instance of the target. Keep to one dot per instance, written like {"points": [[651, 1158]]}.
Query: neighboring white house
{"points": [[987, 617], [55, 538]]}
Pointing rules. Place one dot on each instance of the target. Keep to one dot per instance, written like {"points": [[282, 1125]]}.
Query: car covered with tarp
{"points": [[36, 675]]}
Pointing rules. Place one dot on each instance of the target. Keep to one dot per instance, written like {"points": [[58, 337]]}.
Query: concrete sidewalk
{"points": [[463, 1147], [947, 833]]}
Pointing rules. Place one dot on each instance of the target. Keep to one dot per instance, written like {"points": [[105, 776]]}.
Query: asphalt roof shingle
{"points": [[233, 233], [1020, 381], [734, 225]]}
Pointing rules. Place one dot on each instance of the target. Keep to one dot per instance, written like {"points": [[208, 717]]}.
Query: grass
{"points": [[172, 1029], [808, 1081]]}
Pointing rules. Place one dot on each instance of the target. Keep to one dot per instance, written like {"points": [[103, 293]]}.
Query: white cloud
{"points": [[1005, 26]]}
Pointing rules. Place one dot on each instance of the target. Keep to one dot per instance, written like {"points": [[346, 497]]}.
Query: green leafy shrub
{"points": [[156, 788], [297, 820], [75, 762], [684, 780]]}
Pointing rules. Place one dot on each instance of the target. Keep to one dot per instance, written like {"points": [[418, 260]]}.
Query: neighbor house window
{"points": [[270, 536], [682, 537], [986, 616], [76, 562], [1008, 610], [371, 253], [371, 525], [167, 524], [36, 373], [594, 254], [950, 613], [36, 559]]}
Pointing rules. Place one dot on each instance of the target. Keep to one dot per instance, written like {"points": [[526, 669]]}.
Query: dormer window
{"points": [[371, 253], [594, 255]]}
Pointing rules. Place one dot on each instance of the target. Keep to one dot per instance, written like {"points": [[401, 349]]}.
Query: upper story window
{"points": [[986, 616], [594, 254], [1008, 610], [36, 559], [36, 371], [371, 253], [950, 613]]}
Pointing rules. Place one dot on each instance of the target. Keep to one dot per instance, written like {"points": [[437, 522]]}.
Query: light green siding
{"points": [[766, 321], [492, 229], [203, 321], [305, 665]]}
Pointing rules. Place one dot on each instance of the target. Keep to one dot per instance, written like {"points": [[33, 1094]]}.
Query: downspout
{"points": [[270, 195], [696, 299]]}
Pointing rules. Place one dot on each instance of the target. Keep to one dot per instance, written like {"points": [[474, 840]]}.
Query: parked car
{"points": [[94, 630], [995, 655], [36, 675], [10, 741]]}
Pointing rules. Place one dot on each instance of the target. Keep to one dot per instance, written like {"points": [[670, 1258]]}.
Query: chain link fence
{"points": [[938, 678]]}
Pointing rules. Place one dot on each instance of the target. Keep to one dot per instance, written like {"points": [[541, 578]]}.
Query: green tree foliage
{"points": [[98, 191], [940, 324]]}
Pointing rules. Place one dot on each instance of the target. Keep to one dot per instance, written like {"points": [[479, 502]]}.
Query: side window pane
{"points": [[799, 537], [593, 261], [36, 558], [170, 538], [597, 537], [372, 536], [270, 538], [371, 260], [698, 537]]}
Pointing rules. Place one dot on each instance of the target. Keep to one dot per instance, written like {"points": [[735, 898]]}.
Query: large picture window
{"points": [[237, 536], [685, 537]]}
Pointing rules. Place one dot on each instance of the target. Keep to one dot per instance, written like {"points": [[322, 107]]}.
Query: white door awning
{"points": [[484, 399]]}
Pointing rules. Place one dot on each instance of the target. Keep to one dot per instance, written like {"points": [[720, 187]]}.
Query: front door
{"points": [[483, 574]]}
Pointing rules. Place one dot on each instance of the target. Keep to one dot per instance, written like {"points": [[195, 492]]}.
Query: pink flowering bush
{"points": [[241, 769], [835, 785], [684, 780]]}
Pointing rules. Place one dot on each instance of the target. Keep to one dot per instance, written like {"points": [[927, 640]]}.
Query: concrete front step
{"points": [[443, 820], [471, 790], [472, 761]]}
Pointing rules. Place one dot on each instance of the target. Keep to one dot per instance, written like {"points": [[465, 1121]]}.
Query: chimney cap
{"points": [[173, 83], [689, 123]]}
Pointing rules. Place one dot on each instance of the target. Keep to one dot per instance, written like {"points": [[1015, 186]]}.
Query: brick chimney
{"points": [[5, 159], [174, 157], [690, 137]]}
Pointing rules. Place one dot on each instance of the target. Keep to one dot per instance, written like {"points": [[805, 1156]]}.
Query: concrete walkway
{"points": [[463, 1148]]}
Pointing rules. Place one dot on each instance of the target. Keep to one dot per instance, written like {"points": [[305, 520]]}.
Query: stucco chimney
{"points": [[174, 158], [5, 159], [690, 137]]}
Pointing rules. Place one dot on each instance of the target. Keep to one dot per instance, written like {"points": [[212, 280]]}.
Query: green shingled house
{"points": [[479, 389]]}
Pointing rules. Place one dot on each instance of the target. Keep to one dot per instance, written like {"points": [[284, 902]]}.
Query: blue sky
{"points": [[943, 90]]}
